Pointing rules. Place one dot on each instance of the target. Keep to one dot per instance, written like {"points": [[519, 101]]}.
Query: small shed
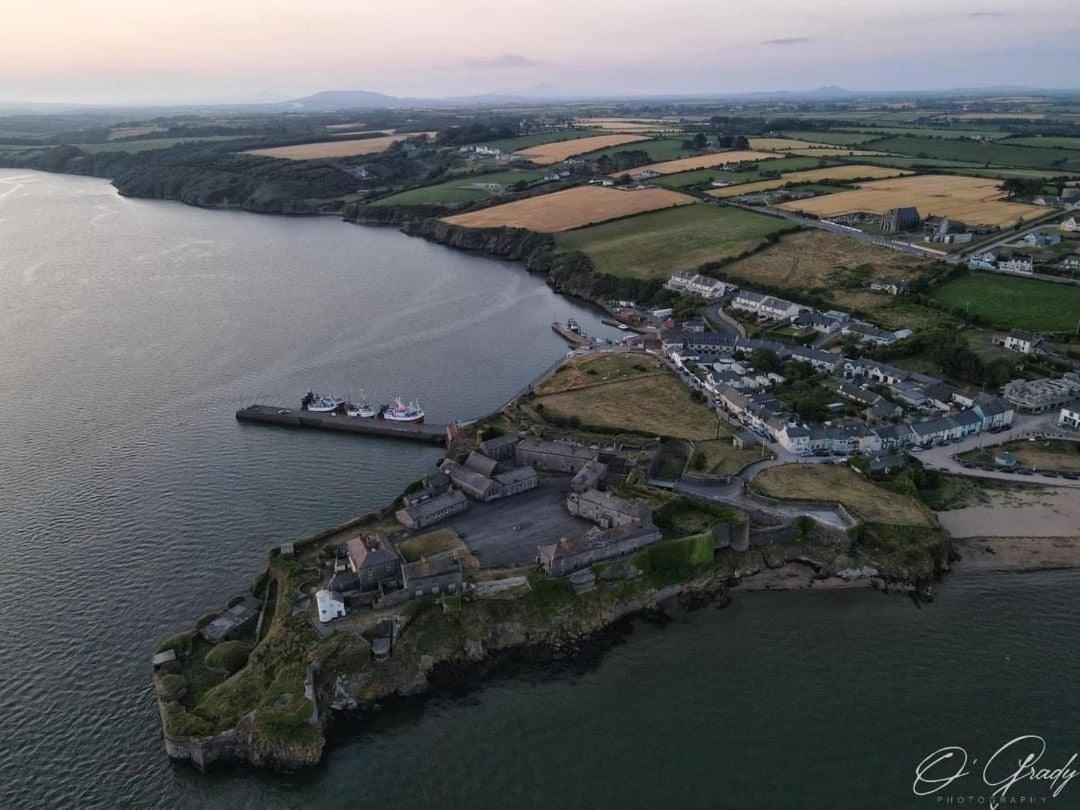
{"points": [[331, 605]]}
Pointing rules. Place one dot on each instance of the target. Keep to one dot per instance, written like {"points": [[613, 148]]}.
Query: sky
{"points": [[151, 51]]}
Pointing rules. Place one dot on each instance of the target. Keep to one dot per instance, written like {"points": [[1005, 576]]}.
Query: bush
{"points": [[172, 687], [228, 657], [179, 723], [180, 644]]}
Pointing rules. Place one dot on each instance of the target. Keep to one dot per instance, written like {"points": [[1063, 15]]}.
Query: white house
{"points": [[331, 606], [1018, 263], [1039, 239], [1072, 224], [1023, 342], [1069, 417], [983, 261], [695, 284]]}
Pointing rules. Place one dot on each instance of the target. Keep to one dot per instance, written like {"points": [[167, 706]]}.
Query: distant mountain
{"points": [[342, 100]]}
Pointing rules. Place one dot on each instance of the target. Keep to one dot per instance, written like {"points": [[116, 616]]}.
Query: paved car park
{"points": [[507, 532]]}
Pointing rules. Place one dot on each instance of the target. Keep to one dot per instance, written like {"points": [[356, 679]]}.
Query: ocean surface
{"points": [[131, 501]]}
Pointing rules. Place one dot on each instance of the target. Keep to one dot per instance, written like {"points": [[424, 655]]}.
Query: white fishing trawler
{"points": [[360, 408], [319, 403], [402, 411]]}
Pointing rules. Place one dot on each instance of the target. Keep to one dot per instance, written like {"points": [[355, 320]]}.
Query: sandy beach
{"points": [[1043, 512]]}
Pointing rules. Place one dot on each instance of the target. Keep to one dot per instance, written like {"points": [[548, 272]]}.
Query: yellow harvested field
{"points": [[335, 149], [353, 125], [851, 171], [572, 208], [784, 144], [700, 162], [975, 200], [547, 153]]}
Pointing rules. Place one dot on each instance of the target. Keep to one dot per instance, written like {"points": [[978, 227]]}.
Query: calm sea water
{"points": [[130, 501]]}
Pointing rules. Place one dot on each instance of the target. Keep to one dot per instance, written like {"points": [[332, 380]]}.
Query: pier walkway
{"points": [[295, 417]]}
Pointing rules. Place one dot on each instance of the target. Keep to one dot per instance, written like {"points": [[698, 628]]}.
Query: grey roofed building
{"points": [[1038, 396], [605, 509], [433, 510], [480, 463], [232, 621], [474, 484], [886, 462], [569, 555], [858, 394], [433, 577], [518, 479], [500, 448], [553, 456], [589, 476]]}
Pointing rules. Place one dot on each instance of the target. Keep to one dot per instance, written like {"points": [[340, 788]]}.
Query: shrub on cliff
{"points": [[205, 619], [228, 657], [172, 687], [180, 723]]}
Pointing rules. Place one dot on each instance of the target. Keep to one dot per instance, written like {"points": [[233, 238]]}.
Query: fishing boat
{"points": [[402, 411], [361, 408], [318, 403]]}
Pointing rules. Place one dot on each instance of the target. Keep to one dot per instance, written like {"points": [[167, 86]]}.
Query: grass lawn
{"points": [[458, 190], [596, 368], [656, 244], [654, 405], [1014, 303], [721, 457], [1052, 454], [429, 544], [826, 482]]}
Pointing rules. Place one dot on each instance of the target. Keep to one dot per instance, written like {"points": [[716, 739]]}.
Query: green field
{"points": [[903, 162], [994, 154], [659, 149], [835, 138], [950, 134], [525, 141], [1014, 303], [458, 190], [1048, 142], [655, 245], [147, 144]]}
